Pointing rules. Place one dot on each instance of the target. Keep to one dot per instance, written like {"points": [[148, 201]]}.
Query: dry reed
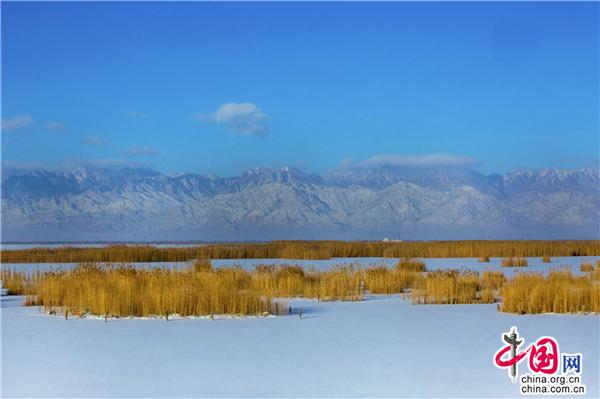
{"points": [[594, 275], [340, 283], [411, 265], [298, 251], [450, 287], [128, 291], [559, 292], [305, 250], [383, 280], [202, 265], [586, 267], [514, 262], [19, 282], [546, 259], [121, 290]]}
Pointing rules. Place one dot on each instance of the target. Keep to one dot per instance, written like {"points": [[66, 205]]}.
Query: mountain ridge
{"points": [[128, 204]]}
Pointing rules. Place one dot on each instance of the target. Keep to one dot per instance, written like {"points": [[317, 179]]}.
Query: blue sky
{"points": [[218, 88]]}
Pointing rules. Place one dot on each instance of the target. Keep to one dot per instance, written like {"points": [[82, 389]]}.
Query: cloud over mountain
{"points": [[423, 161]]}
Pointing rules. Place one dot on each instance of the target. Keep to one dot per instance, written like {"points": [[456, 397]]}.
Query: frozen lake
{"points": [[380, 347], [535, 264]]}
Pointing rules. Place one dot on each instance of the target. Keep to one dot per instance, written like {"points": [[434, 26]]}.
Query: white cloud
{"points": [[137, 151], [96, 141], [16, 122], [136, 114], [423, 161], [243, 118], [55, 126]]}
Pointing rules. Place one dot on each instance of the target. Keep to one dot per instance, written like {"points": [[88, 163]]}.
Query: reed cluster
{"points": [[127, 291], [493, 279], [282, 281], [546, 259], [514, 262], [202, 265], [559, 292], [17, 282], [586, 267], [340, 283], [305, 250], [344, 283], [298, 251], [383, 280], [452, 287], [484, 259], [411, 265], [594, 274], [123, 290]]}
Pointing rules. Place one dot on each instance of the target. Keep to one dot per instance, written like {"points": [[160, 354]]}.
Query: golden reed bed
{"points": [[306, 250], [199, 290]]}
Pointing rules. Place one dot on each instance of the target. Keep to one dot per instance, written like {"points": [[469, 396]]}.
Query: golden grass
{"points": [[514, 262], [383, 280], [305, 250], [202, 265], [484, 259], [411, 265], [450, 287], [546, 259], [559, 292], [17, 282], [121, 290], [195, 291], [586, 267], [594, 274], [281, 281], [128, 291], [491, 282], [493, 279], [340, 283], [343, 283], [299, 251]]}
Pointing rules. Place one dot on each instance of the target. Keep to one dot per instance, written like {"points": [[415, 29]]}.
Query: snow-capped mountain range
{"points": [[128, 204]]}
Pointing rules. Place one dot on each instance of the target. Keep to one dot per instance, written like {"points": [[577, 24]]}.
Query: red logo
{"points": [[543, 354]]}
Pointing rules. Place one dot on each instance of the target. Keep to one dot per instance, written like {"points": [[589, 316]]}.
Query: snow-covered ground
{"points": [[383, 346], [535, 264]]}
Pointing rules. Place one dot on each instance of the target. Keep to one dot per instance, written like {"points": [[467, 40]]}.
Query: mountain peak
{"points": [[262, 203]]}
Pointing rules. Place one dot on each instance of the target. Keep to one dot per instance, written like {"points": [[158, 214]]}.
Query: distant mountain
{"points": [[93, 204]]}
